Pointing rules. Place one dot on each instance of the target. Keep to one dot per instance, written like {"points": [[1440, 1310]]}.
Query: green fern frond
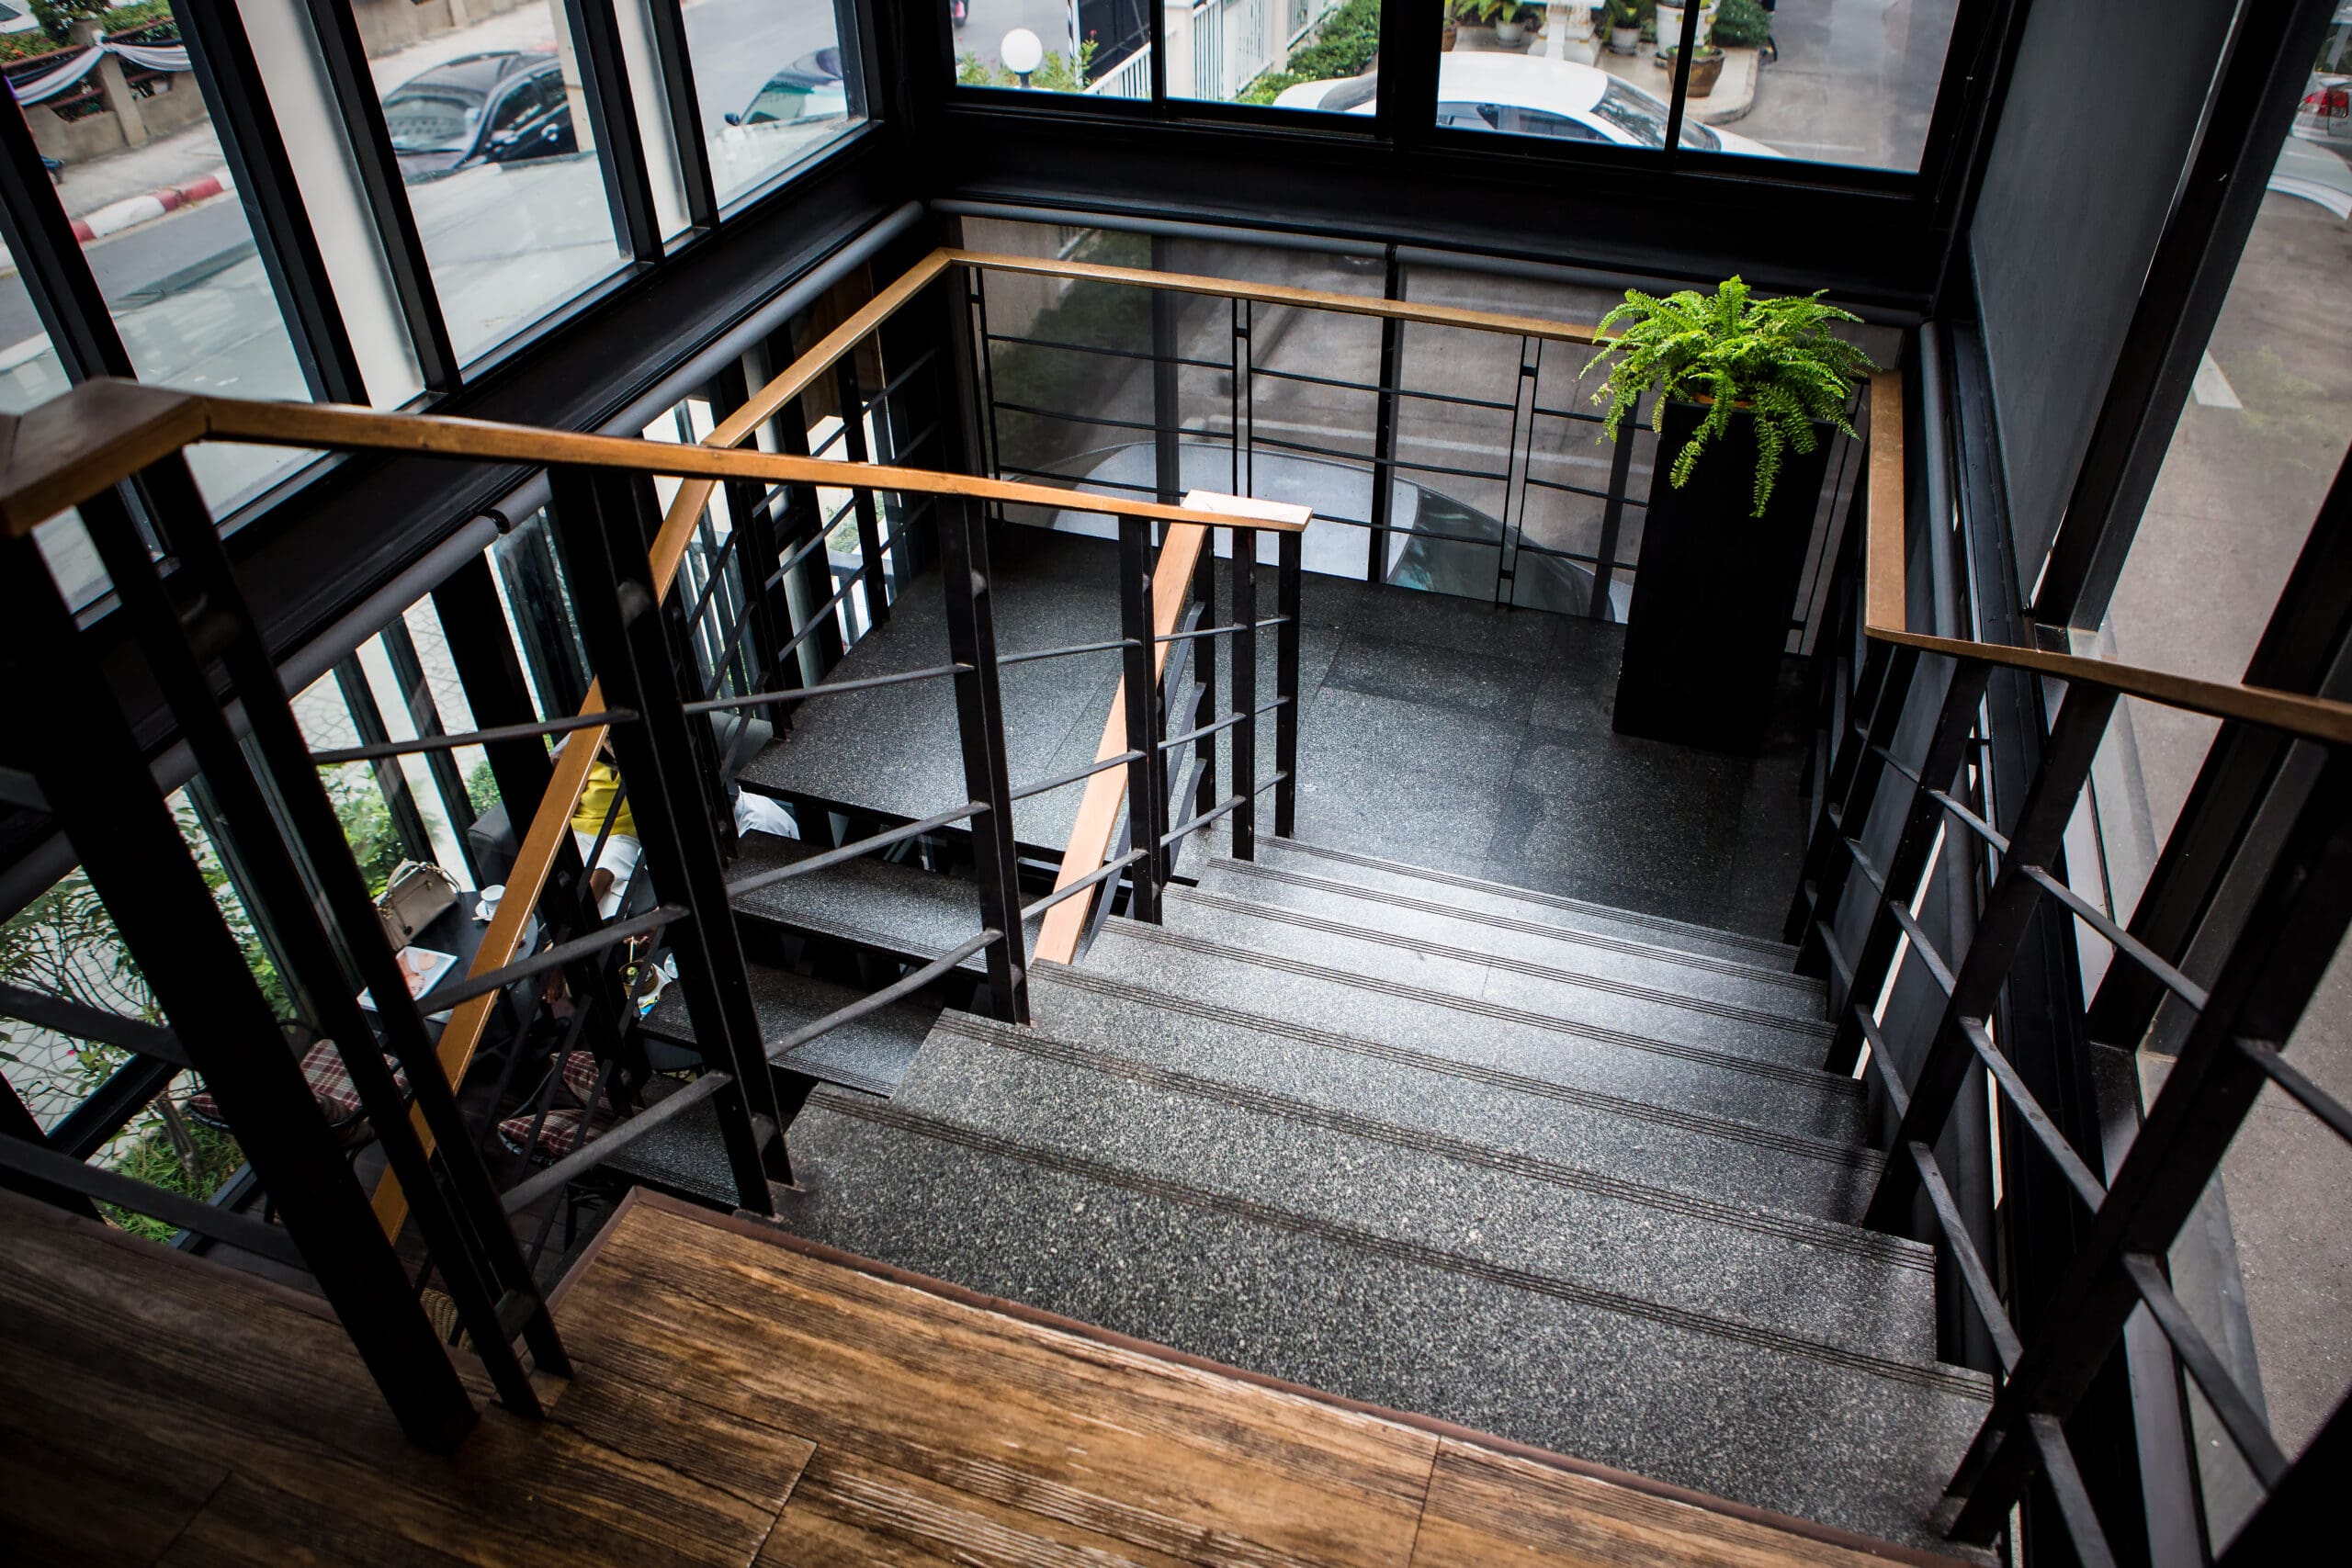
{"points": [[1780, 357]]}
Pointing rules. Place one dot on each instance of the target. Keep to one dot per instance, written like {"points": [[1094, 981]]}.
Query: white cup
{"points": [[488, 908]]}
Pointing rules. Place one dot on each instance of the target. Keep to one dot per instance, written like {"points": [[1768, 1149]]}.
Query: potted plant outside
{"points": [[1625, 25], [1670, 26], [1510, 19], [1706, 68], [1746, 393]]}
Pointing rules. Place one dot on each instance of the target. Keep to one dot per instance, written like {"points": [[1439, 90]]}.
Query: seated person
{"points": [[608, 875]]}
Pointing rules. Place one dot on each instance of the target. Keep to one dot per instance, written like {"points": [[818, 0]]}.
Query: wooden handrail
{"points": [[1885, 618], [1097, 822]]}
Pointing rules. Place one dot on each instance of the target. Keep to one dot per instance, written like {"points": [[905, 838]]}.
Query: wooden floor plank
{"points": [[1492, 1510]]}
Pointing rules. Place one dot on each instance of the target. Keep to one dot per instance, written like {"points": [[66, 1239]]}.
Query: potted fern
{"points": [[1746, 393]]}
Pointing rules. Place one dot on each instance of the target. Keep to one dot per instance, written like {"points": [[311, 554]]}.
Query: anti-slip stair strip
{"points": [[1680, 957], [1803, 1078], [1729, 1012], [1848, 1239], [1848, 1155], [1936, 1378], [1780, 952]]}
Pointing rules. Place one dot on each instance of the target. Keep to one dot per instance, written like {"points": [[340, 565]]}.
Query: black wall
{"points": [[2100, 116]]}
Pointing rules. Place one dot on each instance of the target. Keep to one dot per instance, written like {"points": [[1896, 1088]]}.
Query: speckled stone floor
{"points": [[1438, 731]]}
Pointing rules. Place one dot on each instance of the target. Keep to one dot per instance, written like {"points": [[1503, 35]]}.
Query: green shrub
{"points": [[1055, 74], [1344, 45], [1742, 24]]}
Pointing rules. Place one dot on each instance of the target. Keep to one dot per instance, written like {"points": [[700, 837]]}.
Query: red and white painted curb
{"points": [[117, 216]]}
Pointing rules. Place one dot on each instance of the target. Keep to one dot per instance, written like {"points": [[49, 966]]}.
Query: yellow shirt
{"points": [[596, 798]]}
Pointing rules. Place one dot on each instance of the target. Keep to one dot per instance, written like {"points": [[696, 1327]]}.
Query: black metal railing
{"points": [[1924, 879]]}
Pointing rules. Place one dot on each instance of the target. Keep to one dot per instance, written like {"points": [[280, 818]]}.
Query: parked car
{"points": [[1435, 542], [1560, 98], [499, 107], [810, 88], [2324, 114]]}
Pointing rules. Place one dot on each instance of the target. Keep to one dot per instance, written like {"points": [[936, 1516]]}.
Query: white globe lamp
{"points": [[1021, 52]]}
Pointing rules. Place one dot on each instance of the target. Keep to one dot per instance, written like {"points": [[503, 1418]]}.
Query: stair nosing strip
{"points": [[1729, 967], [1729, 1012], [1850, 1240], [1853, 1157], [1553, 901], [1936, 1377], [1814, 1078]]}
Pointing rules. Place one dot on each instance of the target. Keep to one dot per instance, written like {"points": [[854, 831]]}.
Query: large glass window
{"points": [[139, 171], [1848, 82], [492, 127], [776, 80]]}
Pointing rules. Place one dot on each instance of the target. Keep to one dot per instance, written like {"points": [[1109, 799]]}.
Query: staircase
{"points": [[1562, 1173]]}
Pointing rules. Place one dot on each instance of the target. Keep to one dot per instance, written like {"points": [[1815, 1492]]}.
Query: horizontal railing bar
{"points": [[1227, 722], [2089, 1188], [2074, 1508], [449, 995], [1835, 954], [1221, 631], [2245, 1426], [1278, 294], [83, 1022], [2312, 1098], [800, 552], [223, 1225], [1106, 764], [834, 857], [1114, 644], [906, 985], [2130, 946], [611, 1141], [824, 689], [1970, 820], [1111, 353], [715, 563], [1972, 1273], [472, 738], [1073, 480], [1892, 760], [1205, 818], [1938, 970], [1005, 405], [1369, 461], [1564, 487], [106, 430], [822, 612], [1882, 1061], [1578, 415], [896, 384], [1108, 870]]}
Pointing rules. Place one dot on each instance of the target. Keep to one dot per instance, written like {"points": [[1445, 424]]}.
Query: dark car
{"points": [[811, 87], [501, 107]]}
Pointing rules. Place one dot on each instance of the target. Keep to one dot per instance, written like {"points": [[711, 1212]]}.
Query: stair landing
{"points": [[742, 1397]]}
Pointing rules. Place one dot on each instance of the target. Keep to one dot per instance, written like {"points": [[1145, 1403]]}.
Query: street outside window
{"points": [[776, 82]]}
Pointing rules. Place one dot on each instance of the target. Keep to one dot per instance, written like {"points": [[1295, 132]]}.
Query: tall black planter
{"points": [[1715, 589]]}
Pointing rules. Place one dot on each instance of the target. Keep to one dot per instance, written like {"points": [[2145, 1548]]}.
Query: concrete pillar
{"points": [[113, 91]]}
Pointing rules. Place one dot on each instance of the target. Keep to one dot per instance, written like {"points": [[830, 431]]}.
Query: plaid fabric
{"points": [[579, 1077], [559, 1135], [330, 1083]]}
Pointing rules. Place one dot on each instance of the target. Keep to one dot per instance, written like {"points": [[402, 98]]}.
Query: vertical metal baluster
{"points": [[604, 517], [106, 800], [1205, 797], [979, 724], [425, 714], [391, 782], [1286, 598], [876, 585], [1245, 693], [1384, 426], [1612, 521], [1139, 693]]}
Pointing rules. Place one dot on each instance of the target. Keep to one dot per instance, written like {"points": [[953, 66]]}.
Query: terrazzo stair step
{"points": [[872, 1053], [1651, 1010], [900, 911], [1522, 903], [1832, 1284], [1864, 1442], [1712, 1157], [1586, 1056], [1295, 884]]}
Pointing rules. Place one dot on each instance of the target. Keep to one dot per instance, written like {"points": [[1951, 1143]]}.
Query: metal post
{"points": [[1205, 796], [391, 783], [95, 777], [202, 615], [1947, 746], [1139, 692], [1244, 832], [869, 524], [757, 552], [979, 723], [1612, 522], [425, 714], [602, 517], [800, 519], [1384, 438], [1286, 603], [1856, 763]]}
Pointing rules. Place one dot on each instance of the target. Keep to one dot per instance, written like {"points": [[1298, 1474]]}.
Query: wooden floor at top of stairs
{"points": [[741, 1401]]}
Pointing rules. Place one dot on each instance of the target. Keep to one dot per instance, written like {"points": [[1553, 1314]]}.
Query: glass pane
{"points": [[1308, 54], [493, 135], [1526, 71], [776, 80], [169, 243], [2266, 428], [1099, 47]]}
